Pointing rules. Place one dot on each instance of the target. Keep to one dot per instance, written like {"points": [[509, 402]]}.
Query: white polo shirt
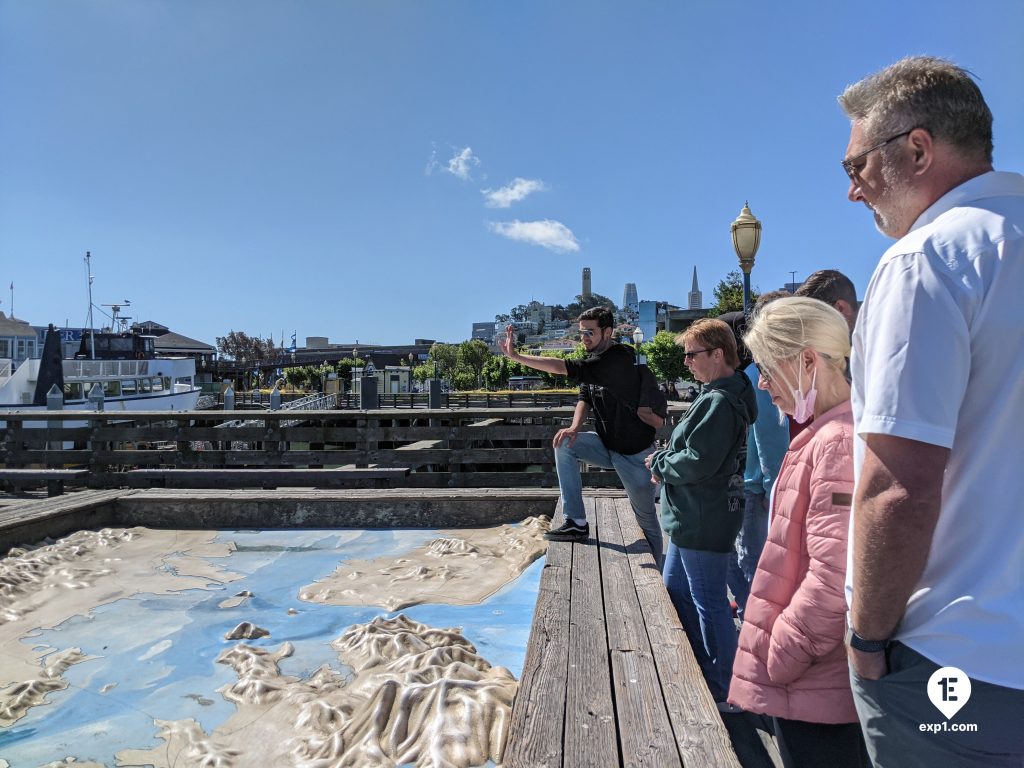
{"points": [[938, 357]]}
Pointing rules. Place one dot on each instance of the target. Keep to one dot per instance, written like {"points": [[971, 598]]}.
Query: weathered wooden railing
{"points": [[488, 447]]}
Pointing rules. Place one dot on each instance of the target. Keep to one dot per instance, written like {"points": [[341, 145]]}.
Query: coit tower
{"points": [[585, 293]]}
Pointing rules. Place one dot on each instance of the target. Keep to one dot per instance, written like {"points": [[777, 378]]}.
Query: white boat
{"points": [[125, 368]]}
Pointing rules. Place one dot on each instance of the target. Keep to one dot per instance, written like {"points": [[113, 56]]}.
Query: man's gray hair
{"points": [[923, 92]]}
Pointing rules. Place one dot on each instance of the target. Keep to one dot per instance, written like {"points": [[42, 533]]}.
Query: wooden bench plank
{"points": [[700, 735], [538, 713], [419, 445], [645, 732], [42, 474], [590, 731], [53, 479]]}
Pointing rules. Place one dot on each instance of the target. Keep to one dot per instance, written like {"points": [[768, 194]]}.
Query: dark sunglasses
{"points": [[691, 355]]}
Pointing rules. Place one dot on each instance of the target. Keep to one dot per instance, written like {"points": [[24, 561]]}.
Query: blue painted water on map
{"points": [[159, 651]]}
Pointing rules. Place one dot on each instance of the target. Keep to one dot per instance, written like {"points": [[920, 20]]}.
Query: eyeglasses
{"points": [[765, 376], [848, 164], [691, 355], [586, 333]]}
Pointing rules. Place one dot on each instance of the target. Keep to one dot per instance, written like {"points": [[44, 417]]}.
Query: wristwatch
{"points": [[857, 642]]}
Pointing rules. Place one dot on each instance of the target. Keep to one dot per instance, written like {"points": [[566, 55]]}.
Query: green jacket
{"points": [[699, 462]]}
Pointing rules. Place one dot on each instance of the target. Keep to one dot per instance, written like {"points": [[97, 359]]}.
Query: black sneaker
{"points": [[569, 531]]}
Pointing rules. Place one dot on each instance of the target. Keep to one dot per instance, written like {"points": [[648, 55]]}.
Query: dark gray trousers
{"points": [[903, 729]]}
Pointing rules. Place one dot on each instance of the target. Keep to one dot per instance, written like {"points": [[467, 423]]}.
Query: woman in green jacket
{"points": [[695, 470]]}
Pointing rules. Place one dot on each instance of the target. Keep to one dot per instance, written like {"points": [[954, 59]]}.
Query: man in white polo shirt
{"points": [[936, 571]]}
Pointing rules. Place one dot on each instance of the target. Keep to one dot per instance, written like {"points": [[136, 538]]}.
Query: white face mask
{"points": [[803, 405]]}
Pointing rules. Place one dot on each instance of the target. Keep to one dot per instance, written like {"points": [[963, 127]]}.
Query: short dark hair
{"points": [[829, 285], [768, 298], [602, 315]]}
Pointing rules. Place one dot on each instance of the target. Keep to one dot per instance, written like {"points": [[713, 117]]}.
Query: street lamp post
{"points": [[638, 339], [746, 237]]}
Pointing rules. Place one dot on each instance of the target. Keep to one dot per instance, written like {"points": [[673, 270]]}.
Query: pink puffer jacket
{"points": [[791, 661]]}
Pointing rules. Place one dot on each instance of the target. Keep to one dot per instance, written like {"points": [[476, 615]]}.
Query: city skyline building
{"points": [[586, 293], [695, 300], [629, 298]]}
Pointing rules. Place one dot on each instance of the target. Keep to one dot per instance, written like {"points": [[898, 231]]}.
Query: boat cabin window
{"points": [[186, 380], [128, 387], [158, 384], [111, 388], [72, 390], [145, 385]]}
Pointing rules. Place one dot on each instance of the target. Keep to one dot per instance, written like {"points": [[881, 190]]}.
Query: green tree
{"points": [[729, 295], [303, 376], [665, 357], [346, 364], [422, 372], [445, 357], [463, 378], [238, 344], [473, 355], [295, 377], [593, 300]]}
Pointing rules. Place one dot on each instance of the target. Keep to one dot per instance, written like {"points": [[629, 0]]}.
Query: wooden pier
{"points": [[609, 678]]}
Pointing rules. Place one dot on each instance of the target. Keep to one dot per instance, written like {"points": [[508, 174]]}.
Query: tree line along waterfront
{"points": [[254, 362]]}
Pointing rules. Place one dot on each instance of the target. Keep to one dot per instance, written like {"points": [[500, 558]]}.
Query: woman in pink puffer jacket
{"points": [[791, 663]]}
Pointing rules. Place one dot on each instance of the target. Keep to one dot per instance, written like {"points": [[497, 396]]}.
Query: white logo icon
{"points": [[949, 689]]}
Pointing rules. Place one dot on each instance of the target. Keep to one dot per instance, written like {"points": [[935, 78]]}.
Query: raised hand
{"points": [[507, 345]]}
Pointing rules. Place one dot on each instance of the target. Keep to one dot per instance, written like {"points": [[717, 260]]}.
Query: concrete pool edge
{"points": [[25, 522]]}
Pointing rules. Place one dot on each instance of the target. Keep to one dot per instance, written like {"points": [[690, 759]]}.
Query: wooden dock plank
{"points": [[645, 733], [590, 732], [700, 735], [538, 713]]}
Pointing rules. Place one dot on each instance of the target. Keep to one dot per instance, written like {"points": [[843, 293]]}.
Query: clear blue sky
{"points": [[338, 168]]}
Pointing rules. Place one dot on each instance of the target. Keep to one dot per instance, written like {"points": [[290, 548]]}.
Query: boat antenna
{"points": [[92, 330]]}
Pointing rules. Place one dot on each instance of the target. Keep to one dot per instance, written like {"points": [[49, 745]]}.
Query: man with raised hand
{"points": [[936, 573], [626, 417]]}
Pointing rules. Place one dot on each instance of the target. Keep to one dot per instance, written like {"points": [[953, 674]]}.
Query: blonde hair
{"points": [[784, 328], [712, 334]]}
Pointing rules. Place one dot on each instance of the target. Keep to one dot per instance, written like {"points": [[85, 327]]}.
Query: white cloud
{"points": [[462, 164], [518, 190], [431, 163], [553, 235]]}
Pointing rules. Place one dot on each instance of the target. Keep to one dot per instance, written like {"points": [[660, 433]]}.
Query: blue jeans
{"points": [[749, 543], [635, 477], [695, 580]]}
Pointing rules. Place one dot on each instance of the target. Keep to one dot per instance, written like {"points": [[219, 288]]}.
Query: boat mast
{"points": [[92, 330]]}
